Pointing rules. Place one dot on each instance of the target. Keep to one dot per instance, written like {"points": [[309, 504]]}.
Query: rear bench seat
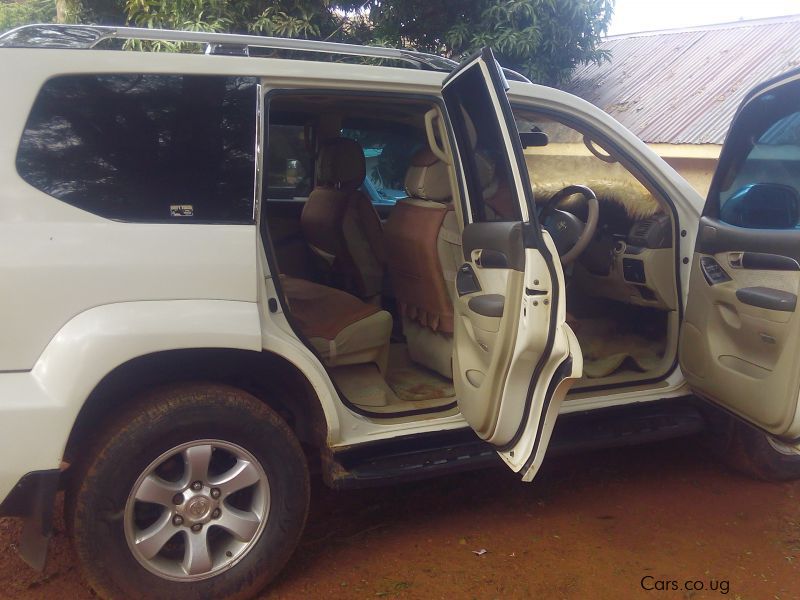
{"points": [[341, 328]]}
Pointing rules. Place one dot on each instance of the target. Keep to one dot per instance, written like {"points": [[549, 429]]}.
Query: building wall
{"points": [[556, 165], [695, 163]]}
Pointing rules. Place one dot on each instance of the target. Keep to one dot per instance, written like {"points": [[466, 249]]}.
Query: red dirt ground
{"points": [[592, 526]]}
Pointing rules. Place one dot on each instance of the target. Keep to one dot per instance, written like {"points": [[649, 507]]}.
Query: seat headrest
{"points": [[428, 177], [341, 163]]}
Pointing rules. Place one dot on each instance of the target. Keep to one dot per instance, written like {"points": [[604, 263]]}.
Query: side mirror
{"points": [[763, 206], [531, 139]]}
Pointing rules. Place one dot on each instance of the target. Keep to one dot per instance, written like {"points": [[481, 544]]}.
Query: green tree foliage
{"points": [[544, 39], [14, 14], [311, 19]]}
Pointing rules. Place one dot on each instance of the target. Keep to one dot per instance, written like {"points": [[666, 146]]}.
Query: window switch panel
{"points": [[713, 271]]}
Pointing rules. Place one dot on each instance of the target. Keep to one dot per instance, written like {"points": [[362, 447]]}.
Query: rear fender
{"points": [[39, 407]]}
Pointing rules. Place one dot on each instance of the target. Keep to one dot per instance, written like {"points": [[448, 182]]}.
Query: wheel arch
{"points": [[269, 377]]}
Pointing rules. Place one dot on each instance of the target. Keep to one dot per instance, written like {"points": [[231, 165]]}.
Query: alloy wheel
{"points": [[197, 510]]}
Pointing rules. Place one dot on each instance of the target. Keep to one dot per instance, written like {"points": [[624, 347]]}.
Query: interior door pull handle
{"points": [[762, 261], [492, 259]]}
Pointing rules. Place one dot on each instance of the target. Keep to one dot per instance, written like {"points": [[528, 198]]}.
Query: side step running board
{"points": [[408, 459], [626, 426], [422, 456]]}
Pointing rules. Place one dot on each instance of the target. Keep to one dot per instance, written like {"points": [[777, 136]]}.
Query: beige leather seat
{"points": [[341, 328], [340, 223], [423, 251]]}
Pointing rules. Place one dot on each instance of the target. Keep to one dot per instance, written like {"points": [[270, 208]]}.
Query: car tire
{"points": [[754, 453], [231, 525]]}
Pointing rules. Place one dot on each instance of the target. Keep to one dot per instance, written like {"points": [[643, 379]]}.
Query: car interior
{"points": [[364, 231], [622, 300]]}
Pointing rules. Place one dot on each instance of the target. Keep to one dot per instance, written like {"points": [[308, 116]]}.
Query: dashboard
{"points": [[636, 267]]}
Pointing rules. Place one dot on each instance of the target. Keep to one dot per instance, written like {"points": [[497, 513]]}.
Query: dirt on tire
{"points": [[602, 525]]}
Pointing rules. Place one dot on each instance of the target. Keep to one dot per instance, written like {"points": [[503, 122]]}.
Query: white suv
{"points": [[409, 267]]}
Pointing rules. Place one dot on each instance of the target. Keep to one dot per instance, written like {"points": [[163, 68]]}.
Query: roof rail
{"points": [[87, 37]]}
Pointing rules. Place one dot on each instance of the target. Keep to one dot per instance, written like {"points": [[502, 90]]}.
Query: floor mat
{"points": [[416, 383], [606, 351]]}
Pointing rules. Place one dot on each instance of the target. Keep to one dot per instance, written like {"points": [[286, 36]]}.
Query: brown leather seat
{"points": [[340, 223], [423, 250], [341, 328]]}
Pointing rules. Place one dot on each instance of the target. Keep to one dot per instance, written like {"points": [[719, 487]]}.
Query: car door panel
{"points": [[496, 358], [498, 353], [514, 356], [740, 339], [480, 361], [499, 242], [716, 236], [738, 352], [543, 299]]}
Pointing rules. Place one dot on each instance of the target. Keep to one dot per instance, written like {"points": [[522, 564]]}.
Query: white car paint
{"points": [[84, 294], [38, 407]]}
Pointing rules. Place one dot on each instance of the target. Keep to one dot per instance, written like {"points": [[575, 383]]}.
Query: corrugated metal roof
{"points": [[683, 86]]}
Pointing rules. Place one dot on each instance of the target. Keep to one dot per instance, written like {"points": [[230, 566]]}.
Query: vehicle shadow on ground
{"points": [[342, 515]]}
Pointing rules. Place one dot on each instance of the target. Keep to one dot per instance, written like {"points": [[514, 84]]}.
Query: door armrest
{"points": [[488, 305], [768, 298]]}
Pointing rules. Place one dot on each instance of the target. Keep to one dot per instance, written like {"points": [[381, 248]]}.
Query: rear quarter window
{"points": [[145, 147]]}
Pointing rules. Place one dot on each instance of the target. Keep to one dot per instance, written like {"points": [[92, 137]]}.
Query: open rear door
{"points": [[740, 339], [514, 356]]}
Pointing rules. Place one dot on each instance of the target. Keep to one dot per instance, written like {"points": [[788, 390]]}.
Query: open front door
{"points": [[740, 340], [514, 356]]}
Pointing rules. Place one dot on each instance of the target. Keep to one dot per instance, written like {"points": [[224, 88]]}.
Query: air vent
{"points": [[651, 233], [642, 229]]}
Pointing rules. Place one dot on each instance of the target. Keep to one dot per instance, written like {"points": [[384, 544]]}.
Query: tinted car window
{"points": [[759, 182], [480, 138], [178, 148], [291, 161]]}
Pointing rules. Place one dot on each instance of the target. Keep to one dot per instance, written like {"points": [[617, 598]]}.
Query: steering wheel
{"points": [[569, 233]]}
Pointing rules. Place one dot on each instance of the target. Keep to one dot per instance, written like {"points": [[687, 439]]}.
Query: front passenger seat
{"points": [[423, 250], [340, 223]]}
